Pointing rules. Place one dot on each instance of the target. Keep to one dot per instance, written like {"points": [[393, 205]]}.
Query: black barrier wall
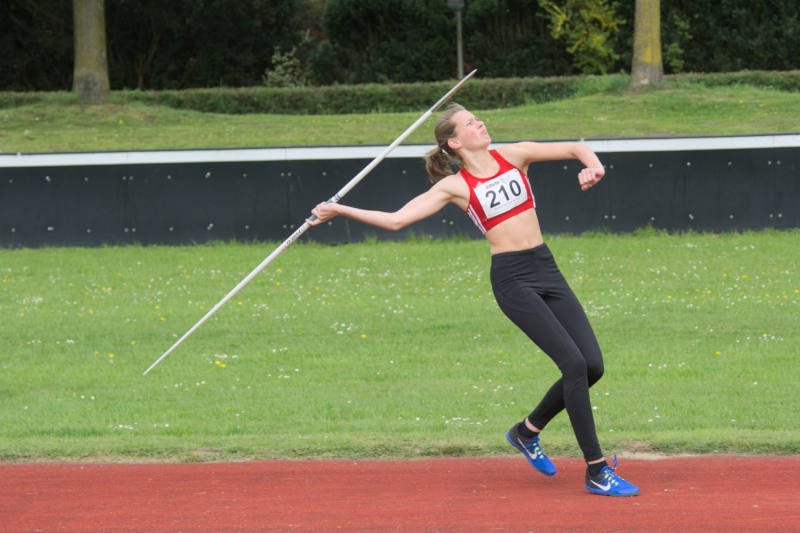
{"points": [[166, 202]]}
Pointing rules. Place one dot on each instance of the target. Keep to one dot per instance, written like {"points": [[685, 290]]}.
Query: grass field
{"points": [[603, 108], [390, 349]]}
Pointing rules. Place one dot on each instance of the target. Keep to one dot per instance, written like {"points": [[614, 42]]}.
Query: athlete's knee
{"points": [[577, 368], [594, 371], [574, 368]]}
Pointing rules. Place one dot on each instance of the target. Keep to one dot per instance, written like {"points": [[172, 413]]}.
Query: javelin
{"points": [[335, 198]]}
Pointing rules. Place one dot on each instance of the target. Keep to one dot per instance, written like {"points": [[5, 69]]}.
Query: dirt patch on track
{"points": [[686, 494]]}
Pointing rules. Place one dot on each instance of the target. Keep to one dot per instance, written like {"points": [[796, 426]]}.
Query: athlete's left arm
{"points": [[524, 153]]}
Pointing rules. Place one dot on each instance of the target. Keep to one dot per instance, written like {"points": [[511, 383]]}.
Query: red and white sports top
{"points": [[500, 197]]}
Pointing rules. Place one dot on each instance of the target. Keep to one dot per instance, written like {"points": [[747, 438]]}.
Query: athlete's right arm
{"points": [[422, 206]]}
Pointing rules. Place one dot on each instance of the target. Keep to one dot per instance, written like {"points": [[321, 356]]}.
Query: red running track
{"points": [[684, 494]]}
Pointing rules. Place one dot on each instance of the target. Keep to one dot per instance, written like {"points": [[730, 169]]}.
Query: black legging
{"points": [[533, 293]]}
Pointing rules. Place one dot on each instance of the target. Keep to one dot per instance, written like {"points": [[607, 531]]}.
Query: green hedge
{"points": [[13, 99], [343, 99], [478, 93], [784, 80]]}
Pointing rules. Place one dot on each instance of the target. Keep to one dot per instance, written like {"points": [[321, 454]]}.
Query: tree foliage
{"points": [[181, 44], [197, 43], [511, 38], [387, 40], [729, 35], [588, 27], [37, 44]]}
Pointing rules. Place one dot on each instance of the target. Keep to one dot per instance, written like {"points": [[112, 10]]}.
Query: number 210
{"points": [[516, 190]]}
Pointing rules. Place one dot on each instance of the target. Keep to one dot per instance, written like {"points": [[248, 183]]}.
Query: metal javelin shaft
{"points": [[299, 231]]}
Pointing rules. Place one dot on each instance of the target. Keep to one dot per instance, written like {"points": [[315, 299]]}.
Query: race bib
{"points": [[501, 194]]}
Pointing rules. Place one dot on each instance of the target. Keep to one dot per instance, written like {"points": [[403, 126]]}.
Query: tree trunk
{"points": [[90, 78], [647, 68]]}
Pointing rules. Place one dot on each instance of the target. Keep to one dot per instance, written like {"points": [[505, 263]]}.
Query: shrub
{"points": [[491, 93], [366, 98], [783, 80]]}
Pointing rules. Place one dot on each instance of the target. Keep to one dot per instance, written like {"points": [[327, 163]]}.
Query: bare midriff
{"points": [[520, 232]]}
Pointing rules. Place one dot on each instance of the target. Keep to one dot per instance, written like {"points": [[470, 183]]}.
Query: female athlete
{"points": [[493, 189]]}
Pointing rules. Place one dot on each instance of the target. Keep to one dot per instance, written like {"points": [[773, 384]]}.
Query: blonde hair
{"points": [[441, 161]]}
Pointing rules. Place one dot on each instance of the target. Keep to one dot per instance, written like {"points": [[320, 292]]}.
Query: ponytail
{"points": [[442, 161]]}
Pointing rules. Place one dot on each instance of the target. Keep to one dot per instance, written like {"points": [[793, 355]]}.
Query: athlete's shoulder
{"points": [[519, 154], [454, 185]]}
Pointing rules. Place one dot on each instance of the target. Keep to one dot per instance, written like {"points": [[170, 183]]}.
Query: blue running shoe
{"points": [[532, 451], [607, 483]]}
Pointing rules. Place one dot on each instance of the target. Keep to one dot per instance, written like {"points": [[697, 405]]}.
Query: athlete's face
{"points": [[470, 132]]}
